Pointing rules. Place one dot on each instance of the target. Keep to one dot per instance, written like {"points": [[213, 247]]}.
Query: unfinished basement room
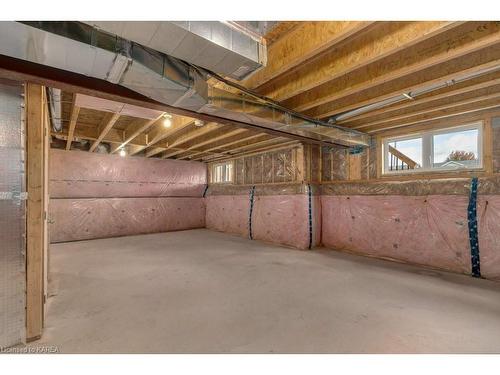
{"points": [[250, 186]]}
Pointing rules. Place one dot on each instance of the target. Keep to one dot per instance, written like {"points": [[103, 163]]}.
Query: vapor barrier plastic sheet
{"points": [[82, 219], [228, 213], [280, 213], [488, 216], [78, 174], [284, 219], [12, 215], [427, 230]]}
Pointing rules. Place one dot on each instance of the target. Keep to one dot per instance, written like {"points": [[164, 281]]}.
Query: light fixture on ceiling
{"points": [[167, 120], [123, 153], [199, 123]]}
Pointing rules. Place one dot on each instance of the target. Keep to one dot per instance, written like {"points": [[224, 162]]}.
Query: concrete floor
{"points": [[200, 291]]}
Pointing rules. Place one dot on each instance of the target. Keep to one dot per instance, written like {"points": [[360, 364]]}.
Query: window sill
{"points": [[446, 173]]}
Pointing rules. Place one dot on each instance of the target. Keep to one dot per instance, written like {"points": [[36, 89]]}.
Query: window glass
{"points": [[222, 173], [405, 154], [457, 149], [450, 149]]}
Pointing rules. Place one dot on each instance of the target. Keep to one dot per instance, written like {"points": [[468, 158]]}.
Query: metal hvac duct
{"points": [[216, 46], [82, 49]]}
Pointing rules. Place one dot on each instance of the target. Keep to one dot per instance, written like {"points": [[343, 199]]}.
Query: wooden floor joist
{"points": [[423, 84], [210, 140], [158, 133], [196, 155], [384, 40], [319, 104], [130, 134], [106, 125], [306, 42], [429, 100], [197, 132], [478, 101]]}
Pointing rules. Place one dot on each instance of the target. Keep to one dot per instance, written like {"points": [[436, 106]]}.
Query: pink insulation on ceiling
{"points": [[79, 174], [427, 230], [84, 219], [284, 219], [228, 213], [488, 216]]}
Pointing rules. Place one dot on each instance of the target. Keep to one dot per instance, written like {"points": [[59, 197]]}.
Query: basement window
{"points": [[222, 173], [450, 149]]}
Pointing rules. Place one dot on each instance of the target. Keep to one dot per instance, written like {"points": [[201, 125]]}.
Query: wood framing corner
{"points": [[36, 154]]}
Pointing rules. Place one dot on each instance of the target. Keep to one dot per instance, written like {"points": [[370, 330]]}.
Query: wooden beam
{"points": [[449, 94], [180, 150], [279, 31], [195, 156], [306, 42], [159, 133], [269, 148], [318, 102], [75, 110], [90, 133], [423, 83], [235, 152], [441, 122], [130, 134], [385, 39], [228, 134], [106, 125], [458, 106], [442, 115], [35, 156], [206, 129]]}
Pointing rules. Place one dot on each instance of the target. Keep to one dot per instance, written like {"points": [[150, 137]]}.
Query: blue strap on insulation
{"points": [[473, 236], [309, 194], [205, 191], [252, 194]]}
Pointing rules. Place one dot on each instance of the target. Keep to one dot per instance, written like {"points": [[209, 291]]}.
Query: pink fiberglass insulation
{"points": [[428, 230], [78, 174], [83, 219], [284, 219], [488, 216], [280, 213], [228, 213]]}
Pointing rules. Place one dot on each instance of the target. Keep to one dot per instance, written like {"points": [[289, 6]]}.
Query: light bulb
{"points": [[167, 121], [123, 153]]}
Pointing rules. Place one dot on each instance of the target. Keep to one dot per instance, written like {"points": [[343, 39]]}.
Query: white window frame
{"points": [[231, 172], [428, 149]]}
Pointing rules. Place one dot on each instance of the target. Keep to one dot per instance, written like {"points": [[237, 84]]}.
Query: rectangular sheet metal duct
{"points": [[212, 45]]}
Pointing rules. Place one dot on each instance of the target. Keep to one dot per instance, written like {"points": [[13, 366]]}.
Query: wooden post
{"points": [[487, 145], [35, 156]]}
